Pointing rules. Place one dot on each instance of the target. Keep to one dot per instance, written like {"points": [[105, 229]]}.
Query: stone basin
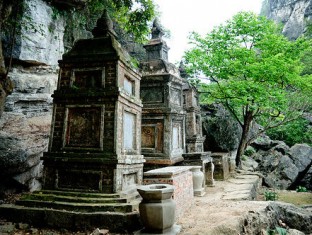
{"points": [[156, 192]]}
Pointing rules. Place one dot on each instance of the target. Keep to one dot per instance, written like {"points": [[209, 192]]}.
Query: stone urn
{"points": [[157, 209], [198, 181]]}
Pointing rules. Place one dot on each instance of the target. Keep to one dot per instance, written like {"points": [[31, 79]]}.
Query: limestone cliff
{"points": [[295, 15]]}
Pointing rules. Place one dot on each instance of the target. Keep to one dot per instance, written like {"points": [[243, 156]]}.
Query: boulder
{"points": [[293, 219], [25, 128], [284, 167], [222, 131], [40, 39], [301, 154]]}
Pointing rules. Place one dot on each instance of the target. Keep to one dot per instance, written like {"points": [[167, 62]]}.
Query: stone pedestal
{"points": [[221, 163], [204, 160], [181, 178], [157, 209]]}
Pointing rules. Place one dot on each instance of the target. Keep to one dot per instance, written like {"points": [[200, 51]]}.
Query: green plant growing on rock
{"points": [[255, 72], [301, 189], [277, 231], [249, 151], [270, 195]]}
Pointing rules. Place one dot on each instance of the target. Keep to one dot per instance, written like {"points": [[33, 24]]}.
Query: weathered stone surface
{"points": [[221, 130], [284, 167], [25, 127], [41, 42], [32, 92], [22, 142], [301, 154], [294, 14]]}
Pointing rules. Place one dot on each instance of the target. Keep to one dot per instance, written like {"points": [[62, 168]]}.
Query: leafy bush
{"points": [[249, 151], [277, 231], [301, 189], [297, 131], [270, 195]]}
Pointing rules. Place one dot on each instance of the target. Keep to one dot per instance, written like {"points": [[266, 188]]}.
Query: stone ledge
{"points": [[74, 221]]}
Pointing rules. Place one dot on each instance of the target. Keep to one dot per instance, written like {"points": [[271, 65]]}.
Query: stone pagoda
{"points": [[163, 117], [94, 160], [194, 133], [195, 154], [95, 142]]}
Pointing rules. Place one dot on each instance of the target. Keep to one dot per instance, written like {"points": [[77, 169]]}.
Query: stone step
{"points": [[243, 186], [79, 194], [117, 222], [79, 207], [64, 198]]}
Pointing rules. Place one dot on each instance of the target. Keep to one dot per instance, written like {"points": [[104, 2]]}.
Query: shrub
{"points": [[270, 195], [249, 151], [297, 131], [301, 189]]}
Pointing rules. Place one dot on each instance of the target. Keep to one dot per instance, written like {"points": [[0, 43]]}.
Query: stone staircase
{"points": [[74, 210], [242, 186]]}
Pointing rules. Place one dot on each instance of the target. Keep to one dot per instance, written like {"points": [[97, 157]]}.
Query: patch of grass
{"points": [[296, 198]]}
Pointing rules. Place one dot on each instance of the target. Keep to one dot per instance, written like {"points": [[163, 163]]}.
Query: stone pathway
{"points": [[242, 186], [222, 209], [219, 211]]}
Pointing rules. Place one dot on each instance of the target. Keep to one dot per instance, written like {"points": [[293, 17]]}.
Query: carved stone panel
{"points": [[176, 136], [88, 78], [176, 96], [152, 136], [149, 136], [74, 179], [129, 131], [152, 95], [83, 127]]}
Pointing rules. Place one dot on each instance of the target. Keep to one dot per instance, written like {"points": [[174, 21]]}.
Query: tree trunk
{"points": [[244, 138]]}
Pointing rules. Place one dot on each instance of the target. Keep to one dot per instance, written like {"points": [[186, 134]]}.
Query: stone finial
{"points": [[157, 31], [104, 25], [182, 70]]}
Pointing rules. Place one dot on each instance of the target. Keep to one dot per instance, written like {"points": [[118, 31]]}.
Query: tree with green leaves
{"points": [[255, 72]]}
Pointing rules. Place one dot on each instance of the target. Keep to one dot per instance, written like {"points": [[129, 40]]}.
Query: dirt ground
{"points": [[211, 213], [207, 215]]}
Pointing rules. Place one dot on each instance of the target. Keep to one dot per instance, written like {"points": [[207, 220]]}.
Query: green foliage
{"points": [[297, 131], [133, 16], [277, 231], [270, 195], [254, 71], [249, 151], [301, 189]]}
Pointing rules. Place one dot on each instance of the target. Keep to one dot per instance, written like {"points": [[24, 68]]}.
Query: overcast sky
{"points": [[181, 17]]}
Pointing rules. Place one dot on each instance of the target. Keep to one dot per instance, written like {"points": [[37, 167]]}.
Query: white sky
{"points": [[181, 17]]}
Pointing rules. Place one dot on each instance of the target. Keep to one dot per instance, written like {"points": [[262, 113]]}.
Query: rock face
{"points": [[293, 14], [221, 130], [283, 167], [25, 129], [40, 38], [297, 220]]}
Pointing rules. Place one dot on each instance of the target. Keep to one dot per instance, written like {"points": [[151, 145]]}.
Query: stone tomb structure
{"points": [[94, 160], [163, 117], [195, 155], [95, 140]]}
